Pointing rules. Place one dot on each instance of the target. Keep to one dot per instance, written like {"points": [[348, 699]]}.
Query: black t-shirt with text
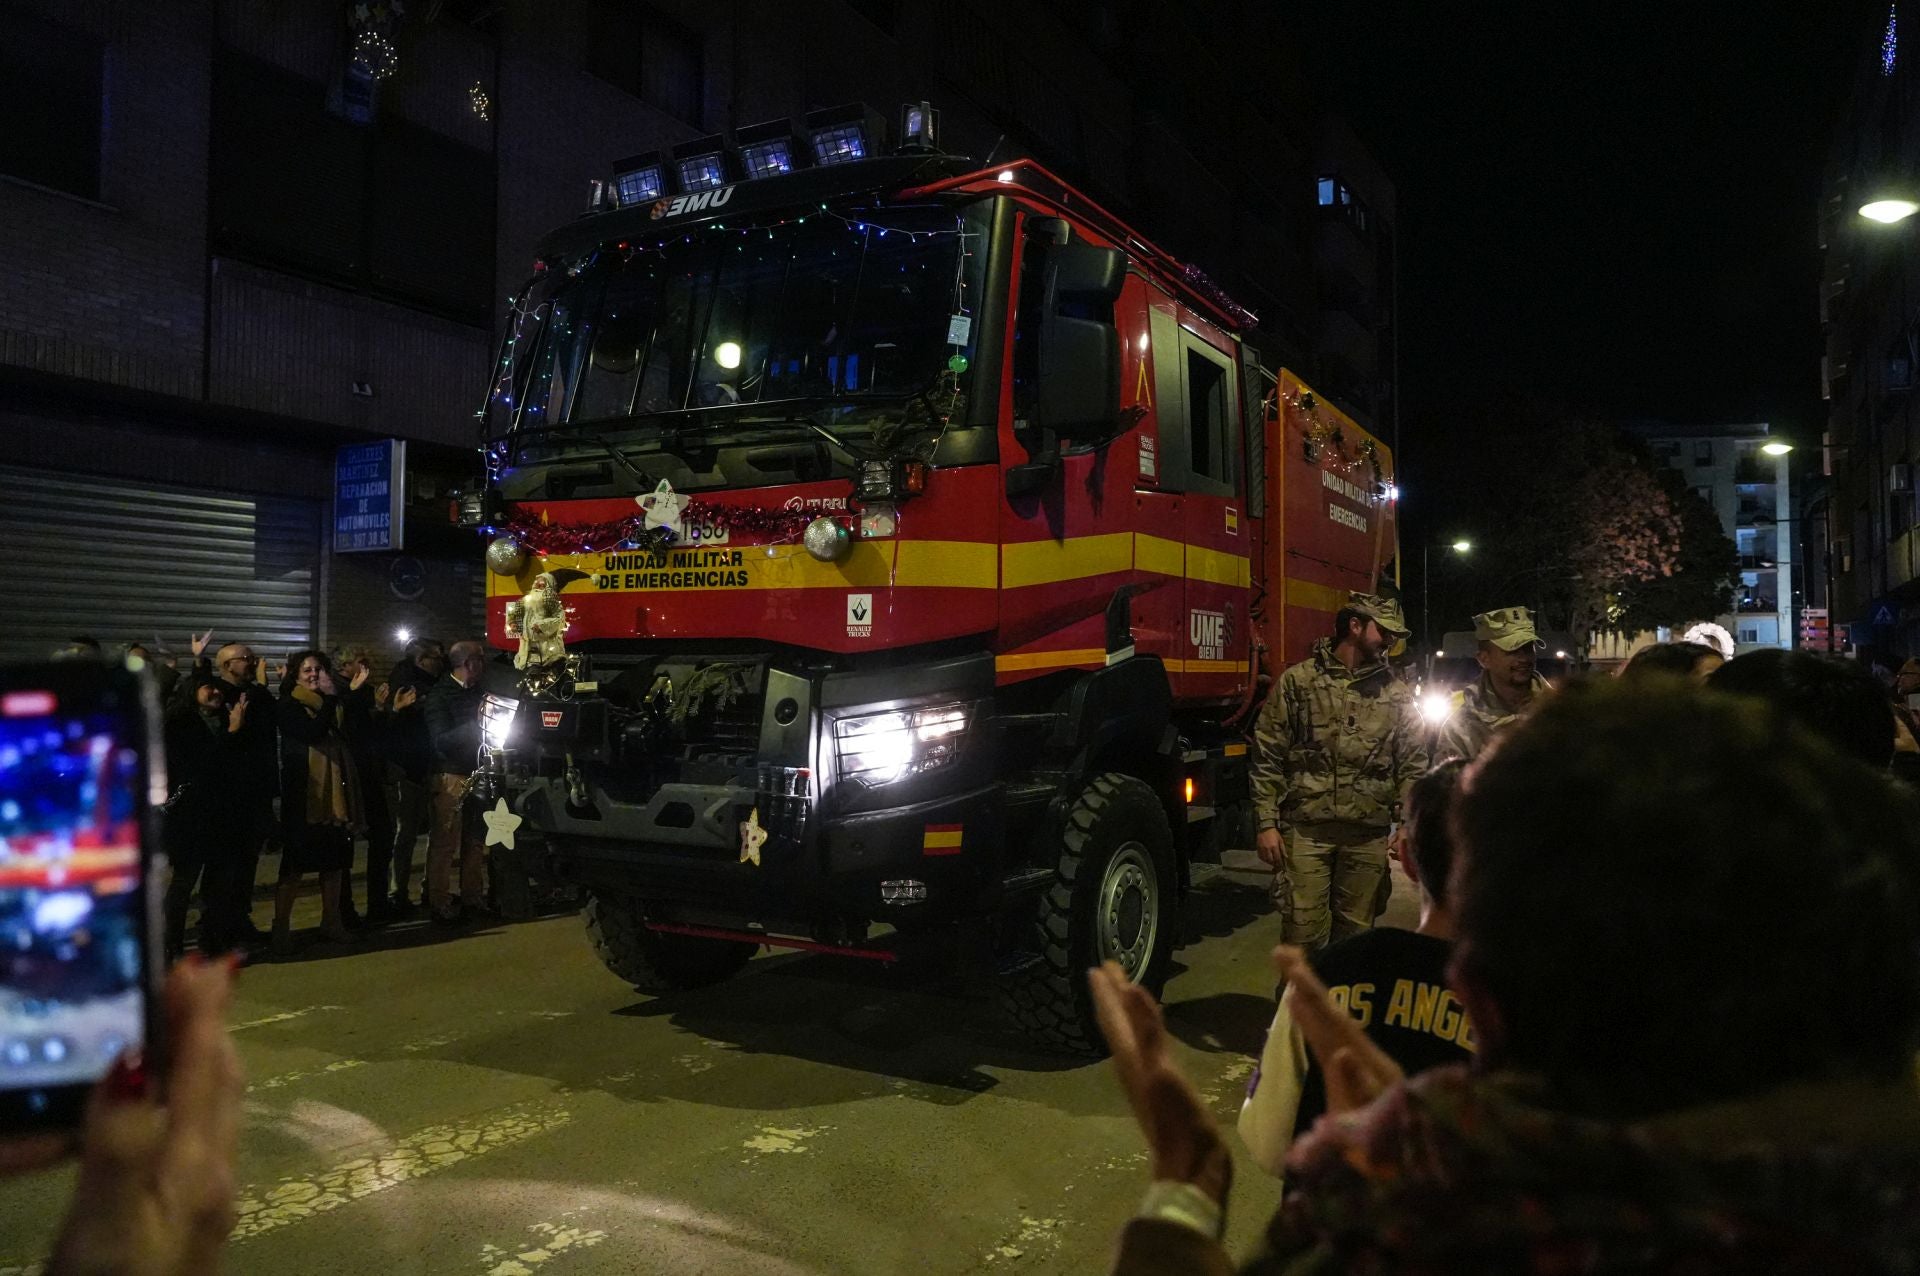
{"points": [[1395, 983]]}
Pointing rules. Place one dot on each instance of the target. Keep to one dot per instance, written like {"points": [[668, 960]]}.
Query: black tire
{"points": [[1117, 844], [655, 961]]}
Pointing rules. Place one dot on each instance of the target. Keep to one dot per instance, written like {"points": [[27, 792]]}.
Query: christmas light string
{"points": [[1318, 435]]}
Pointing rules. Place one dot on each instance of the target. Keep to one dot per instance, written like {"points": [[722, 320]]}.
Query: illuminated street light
{"points": [[1776, 448], [1888, 211], [1460, 547]]}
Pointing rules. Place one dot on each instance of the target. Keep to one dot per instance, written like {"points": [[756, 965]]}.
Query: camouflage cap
{"points": [[1509, 628], [1384, 612]]}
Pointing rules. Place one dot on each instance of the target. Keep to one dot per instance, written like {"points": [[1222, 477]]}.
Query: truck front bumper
{"points": [[757, 855]]}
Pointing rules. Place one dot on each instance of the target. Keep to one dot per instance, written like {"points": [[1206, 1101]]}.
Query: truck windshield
{"points": [[855, 305]]}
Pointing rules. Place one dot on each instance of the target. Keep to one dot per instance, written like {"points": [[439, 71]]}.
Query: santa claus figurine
{"points": [[543, 623]]}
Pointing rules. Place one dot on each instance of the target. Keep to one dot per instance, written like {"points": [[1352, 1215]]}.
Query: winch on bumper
{"points": [[799, 803]]}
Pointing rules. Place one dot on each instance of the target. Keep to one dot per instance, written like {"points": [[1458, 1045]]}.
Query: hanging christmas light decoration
{"points": [[375, 54], [1890, 42], [482, 104]]}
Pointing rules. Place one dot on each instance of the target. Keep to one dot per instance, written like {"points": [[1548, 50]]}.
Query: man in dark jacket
{"points": [[453, 721], [259, 781], [410, 759], [369, 729], [203, 825]]}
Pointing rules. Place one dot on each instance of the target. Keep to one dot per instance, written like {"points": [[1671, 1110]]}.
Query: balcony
{"points": [[1757, 606], [1757, 562], [1752, 471]]}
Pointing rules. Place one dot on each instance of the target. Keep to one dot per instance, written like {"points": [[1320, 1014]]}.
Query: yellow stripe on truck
{"points": [[1158, 555], [934, 841], [1318, 597], [1218, 567], [881, 563], [1049, 562], [871, 564], [1050, 659]]}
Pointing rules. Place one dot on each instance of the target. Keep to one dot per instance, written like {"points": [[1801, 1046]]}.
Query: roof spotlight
{"points": [[919, 127], [701, 164], [769, 150], [843, 134], [639, 179]]}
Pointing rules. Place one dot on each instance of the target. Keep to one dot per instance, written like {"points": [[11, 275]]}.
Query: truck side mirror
{"points": [[1079, 390]]}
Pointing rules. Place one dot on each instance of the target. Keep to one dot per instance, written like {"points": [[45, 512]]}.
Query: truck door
{"points": [[1202, 457]]}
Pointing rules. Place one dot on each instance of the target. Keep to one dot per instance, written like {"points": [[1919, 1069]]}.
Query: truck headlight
{"points": [[883, 747], [496, 720]]}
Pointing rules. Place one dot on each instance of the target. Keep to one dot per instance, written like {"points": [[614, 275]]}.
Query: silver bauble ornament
{"points": [[506, 556]]}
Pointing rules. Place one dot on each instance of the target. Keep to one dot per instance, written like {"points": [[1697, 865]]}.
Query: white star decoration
{"points": [[663, 507], [752, 838], [500, 824]]}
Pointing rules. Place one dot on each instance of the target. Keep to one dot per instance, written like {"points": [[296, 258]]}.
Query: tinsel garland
{"points": [[632, 532], [1197, 279], [1318, 434]]}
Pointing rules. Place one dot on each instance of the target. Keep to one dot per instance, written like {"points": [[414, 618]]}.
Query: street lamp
{"points": [[1890, 198], [1888, 211], [1460, 547], [1776, 448]]}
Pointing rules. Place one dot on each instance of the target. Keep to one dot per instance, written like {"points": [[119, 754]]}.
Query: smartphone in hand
{"points": [[81, 778]]}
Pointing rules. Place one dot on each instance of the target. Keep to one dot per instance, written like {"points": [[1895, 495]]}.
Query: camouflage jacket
{"points": [[1335, 744], [1477, 716]]}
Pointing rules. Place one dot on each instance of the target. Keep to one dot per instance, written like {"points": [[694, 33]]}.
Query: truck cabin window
{"points": [[832, 308]]}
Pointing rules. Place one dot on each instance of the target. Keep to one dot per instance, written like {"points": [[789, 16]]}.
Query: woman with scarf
{"points": [[206, 767], [320, 803]]}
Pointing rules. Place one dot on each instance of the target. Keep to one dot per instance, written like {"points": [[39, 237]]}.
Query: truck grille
{"points": [[716, 709], [733, 731]]}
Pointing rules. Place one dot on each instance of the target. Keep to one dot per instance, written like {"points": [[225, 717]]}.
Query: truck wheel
{"points": [[1111, 900], [655, 961]]}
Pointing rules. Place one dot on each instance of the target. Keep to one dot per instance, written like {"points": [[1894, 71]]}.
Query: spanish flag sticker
{"points": [[941, 839]]}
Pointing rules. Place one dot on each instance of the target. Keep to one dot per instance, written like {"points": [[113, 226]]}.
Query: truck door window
{"points": [[1207, 439]]}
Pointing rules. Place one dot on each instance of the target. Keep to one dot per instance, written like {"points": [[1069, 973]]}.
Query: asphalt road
{"points": [[497, 1104]]}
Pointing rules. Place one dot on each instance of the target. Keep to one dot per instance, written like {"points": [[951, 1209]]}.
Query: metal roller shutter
{"points": [[123, 561]]}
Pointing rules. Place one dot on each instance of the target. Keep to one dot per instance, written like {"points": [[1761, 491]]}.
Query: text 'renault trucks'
{"points": [[891, 544]]}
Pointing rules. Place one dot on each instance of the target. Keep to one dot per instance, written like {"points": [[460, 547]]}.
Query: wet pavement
{"points": [[494, 1102]]}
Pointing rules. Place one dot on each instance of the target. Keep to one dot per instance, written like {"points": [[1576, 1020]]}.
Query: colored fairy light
{"points": [[1890, 42]]}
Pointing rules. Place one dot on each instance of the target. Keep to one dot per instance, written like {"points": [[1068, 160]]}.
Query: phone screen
{"points": [[73, 908]]}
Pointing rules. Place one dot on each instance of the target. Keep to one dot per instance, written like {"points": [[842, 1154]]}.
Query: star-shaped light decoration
{"points": [[663, 508], [501, 824], [752, 838]]}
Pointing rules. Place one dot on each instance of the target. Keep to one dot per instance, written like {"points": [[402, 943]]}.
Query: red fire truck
{"points": [[888, 546]]}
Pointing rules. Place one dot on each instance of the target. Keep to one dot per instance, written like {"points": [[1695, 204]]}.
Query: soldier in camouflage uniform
{"points": [[1508, 687], [1336, 741]]}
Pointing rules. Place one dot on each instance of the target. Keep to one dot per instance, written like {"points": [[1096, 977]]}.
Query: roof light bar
{"points": [[639, 179], [769, 150], [701, 164], [843, 134]]}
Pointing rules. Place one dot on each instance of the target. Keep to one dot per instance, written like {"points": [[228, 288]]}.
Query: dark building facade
{"points": [[235, 236], [1869, 536]]}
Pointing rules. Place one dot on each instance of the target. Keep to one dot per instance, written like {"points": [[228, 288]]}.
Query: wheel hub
{"points": [[1129, 909]]}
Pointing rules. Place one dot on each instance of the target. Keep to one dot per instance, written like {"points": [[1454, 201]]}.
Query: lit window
{"points": [[1326, 191]]}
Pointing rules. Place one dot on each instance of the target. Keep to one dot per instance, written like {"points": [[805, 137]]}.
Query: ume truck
{"points": [[891, 545]]}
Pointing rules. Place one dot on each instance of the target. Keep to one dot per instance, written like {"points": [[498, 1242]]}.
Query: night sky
{"points": [[1606, 206]]}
